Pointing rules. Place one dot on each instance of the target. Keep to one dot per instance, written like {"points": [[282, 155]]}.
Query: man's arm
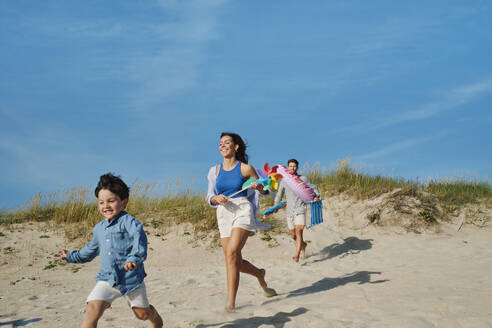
{"points": [[312, 186], [280, 193]]}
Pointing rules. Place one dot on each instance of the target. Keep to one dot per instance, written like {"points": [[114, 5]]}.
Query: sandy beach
{"points": [[364, 277]]}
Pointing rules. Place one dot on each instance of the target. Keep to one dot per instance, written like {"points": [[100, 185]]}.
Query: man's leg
{"points": [[291, 227], [292, 234], [300, 244]]}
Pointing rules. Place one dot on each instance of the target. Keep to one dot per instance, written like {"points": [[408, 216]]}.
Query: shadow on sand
{"points": [[278, 320], [20, 322], [350, 245], [360, 277]]}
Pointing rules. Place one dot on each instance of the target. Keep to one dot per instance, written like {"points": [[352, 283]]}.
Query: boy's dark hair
{"points": [[241, 151], [114, 184], [293, 160]]}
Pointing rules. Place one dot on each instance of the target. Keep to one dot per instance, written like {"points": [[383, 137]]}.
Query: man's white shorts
{"points": [[298, 219], [236, 213], [104, 292]]}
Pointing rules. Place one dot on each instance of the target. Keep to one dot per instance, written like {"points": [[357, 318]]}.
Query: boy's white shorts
{"points": [[296, 220], [236, 213], [104, 292]]}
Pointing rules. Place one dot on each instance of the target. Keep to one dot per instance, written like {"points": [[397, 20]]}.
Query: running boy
{"points": [[296, 209], [122, 244]]}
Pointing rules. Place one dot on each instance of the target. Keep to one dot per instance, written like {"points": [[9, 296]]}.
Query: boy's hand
{"points": [[63, 254], [129, 266]]}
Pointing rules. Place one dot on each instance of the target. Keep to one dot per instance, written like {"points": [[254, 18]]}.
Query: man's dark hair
{"points": [[114, 184], [293, 160]]}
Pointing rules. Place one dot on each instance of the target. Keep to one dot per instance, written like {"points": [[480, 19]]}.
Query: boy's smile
{"points": [[110, 204]]}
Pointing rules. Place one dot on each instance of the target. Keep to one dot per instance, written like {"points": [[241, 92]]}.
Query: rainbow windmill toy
{"points": [[268, 178]]}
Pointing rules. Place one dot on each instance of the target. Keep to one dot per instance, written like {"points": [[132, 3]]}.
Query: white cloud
{"points": [[39, 156], [395, 147], [173, 68], [160, 57], [53, 24], [451, 99]]}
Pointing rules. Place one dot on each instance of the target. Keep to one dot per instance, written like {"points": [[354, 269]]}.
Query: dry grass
{"points": [[161, 207], [450, 194], [76, 212]]}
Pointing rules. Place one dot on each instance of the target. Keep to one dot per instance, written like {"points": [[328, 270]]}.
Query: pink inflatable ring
{"points": [[294, 183]]}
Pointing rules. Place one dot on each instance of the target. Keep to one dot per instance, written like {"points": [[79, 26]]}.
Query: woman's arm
{"points": [[211, 193], [249, 172], [213, 199]]}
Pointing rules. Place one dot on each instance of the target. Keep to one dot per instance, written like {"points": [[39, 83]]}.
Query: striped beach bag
{"points": [[316, 213]]}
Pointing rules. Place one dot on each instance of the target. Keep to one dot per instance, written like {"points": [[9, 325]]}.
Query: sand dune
{"points": [[364, 277]]}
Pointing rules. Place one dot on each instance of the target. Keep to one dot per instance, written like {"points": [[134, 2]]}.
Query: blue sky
{"points": [[144, 88]]}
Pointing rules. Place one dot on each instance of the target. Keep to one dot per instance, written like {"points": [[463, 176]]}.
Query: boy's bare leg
{"points": [[149, 313], [93, 312]]}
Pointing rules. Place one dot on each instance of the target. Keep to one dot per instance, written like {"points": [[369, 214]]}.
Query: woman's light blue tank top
{"points": [[228, 182]]}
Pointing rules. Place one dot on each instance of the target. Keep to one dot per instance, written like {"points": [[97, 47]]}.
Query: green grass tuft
{"points": [[451, 194], [75, 210], [77, 213]]}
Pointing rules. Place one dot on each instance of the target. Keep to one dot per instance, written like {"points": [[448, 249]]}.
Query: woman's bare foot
{"points": [[261, 280], [295, 258], [268, 292]]}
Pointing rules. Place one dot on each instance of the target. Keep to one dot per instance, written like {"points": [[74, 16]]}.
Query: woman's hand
{"points": [[259, 187], [220, 199]]}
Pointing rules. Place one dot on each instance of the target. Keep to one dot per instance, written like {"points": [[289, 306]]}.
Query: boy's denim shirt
{"points": [[121, 241]]}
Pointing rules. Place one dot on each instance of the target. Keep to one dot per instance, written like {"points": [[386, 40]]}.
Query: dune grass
{"points": [[75, 210], [346, 179], [451, 194]]}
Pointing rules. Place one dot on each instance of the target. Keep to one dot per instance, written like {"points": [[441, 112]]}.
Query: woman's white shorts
{"points": [[104, 292], [236, 213]]}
